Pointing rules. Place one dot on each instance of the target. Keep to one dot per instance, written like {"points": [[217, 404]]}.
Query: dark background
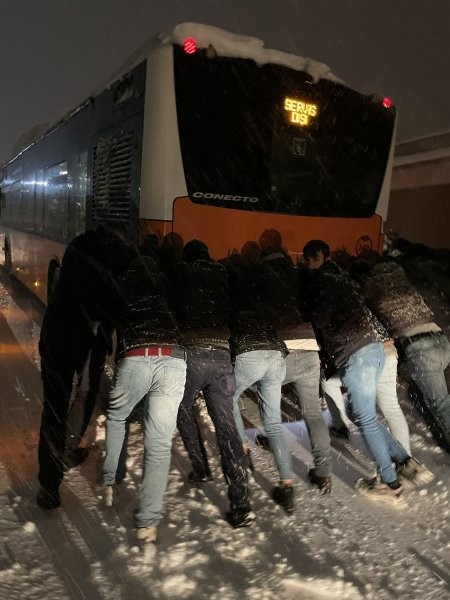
{"points": [[54, 53]]}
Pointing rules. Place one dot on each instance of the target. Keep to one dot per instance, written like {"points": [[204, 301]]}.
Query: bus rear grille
{"points": [[111, 179]]}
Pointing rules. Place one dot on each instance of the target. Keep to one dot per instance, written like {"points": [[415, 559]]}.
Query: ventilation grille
{"points": [[111, 179]]}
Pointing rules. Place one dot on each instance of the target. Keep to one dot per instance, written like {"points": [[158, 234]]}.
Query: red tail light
{"points": [[190, 45]]}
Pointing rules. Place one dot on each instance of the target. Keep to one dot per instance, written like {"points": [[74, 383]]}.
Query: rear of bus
{"points": [[265, 146]]}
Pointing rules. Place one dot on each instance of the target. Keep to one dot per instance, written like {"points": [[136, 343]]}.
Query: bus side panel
{"points": [[31, 255], [225, 230]]}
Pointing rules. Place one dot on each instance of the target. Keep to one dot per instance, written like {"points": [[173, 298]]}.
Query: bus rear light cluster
{"points": [[190, 45]]}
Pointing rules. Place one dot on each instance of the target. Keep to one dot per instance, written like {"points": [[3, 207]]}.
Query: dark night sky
{"points": [[54, 53]]}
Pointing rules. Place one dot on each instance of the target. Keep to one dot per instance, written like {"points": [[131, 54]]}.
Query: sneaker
{"points": [[284, 496], [146, 534], [263, 441], [108, 495], [200, 477], [380, 491], [322, 482], [74, 457], [340, 433], [414, 472], [48, 500], [241, 516]]}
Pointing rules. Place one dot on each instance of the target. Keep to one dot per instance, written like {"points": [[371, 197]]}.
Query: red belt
{"points": [[150, 351]]}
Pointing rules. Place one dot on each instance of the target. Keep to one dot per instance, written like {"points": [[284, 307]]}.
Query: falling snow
{"points": [[340, 546]]}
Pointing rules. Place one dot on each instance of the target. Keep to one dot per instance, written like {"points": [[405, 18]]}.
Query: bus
{"points": [[210, 135]]}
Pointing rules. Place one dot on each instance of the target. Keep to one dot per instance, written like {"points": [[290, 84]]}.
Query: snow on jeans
{"points": [[428, 358], [161, 380], [266, 369], [360, 375]]}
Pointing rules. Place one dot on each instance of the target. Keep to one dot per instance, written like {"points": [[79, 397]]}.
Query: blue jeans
{"points": [[266, 369], [428, 358], [360, 375], [160, 379], [387, 400], [303, 371]]}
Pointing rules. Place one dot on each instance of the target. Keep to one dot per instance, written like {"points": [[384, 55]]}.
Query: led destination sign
{"points": [[299, 112]]}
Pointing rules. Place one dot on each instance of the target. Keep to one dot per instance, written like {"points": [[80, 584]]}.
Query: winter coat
{"points": [[390, 295], [143, 313], [203, 303], [82, 296], [337, 312], [252, 324], [282, 297]]}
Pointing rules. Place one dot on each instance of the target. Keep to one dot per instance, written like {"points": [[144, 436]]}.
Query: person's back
{"points": [[302, 360], [80, 302], [354, 344], [143, 314], [203, 311], [203, 302], [259, 360], [409, 320], [151, 365], [252, 327]]}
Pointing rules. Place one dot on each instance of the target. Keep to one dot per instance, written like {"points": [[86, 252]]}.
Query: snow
{"points": [[333, 547], [242, 46]]}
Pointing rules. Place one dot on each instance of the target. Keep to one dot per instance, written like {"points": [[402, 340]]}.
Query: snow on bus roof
{"points": [[235, 45]]}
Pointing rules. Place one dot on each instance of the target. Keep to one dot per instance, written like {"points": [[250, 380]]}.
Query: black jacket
{"points": [[82, 295], [143, 313], [394, 300], [253, 324], [202, 303], [338, 312]]}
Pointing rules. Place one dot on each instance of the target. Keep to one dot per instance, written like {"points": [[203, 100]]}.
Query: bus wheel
{"points": [[8, 258], [54, 270]]}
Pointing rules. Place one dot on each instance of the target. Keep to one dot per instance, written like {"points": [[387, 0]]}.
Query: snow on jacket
{"points": [[252, 323], [82, 295], [202, 304], [282, 298], [144, 316], [338, 312], [394, 300]]}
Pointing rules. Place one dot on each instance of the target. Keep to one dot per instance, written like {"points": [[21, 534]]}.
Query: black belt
{"points": [[406, 341]]}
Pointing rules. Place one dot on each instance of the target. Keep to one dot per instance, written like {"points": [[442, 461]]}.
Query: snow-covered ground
{"points": [[340, 546]]}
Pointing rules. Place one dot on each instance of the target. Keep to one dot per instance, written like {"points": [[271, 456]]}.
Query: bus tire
{"points": [[54, 270]]}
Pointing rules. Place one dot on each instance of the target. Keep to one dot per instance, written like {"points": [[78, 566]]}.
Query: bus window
{"points": [[78, 191], [28, 193], [39, 189], [56, 202]]}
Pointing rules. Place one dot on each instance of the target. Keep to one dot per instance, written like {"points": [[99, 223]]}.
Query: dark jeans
{"points": [[57, 380], [83, 405], [57, 373], [210, 371]]}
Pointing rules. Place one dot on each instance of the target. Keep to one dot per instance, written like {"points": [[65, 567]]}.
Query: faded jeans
{"points": [[303, 371], [360, 375], [266, 369], [427, 359], [387, 400], [161, 380]]}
